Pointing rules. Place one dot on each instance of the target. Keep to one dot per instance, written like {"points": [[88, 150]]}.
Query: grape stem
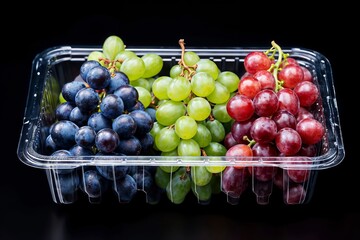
{"points": [[190, 69], [276, 66]]}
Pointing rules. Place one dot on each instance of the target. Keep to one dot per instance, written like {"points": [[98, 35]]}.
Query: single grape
{"points": [[256, 61], [166, 139], [288, 141], [112, 46], [168, 112], [220, 94], [133, 67], [179, 89], [310, 130], [203, 135], [202, 84], [291, 75], [198, 108], [200, 175], [160, 87], [153, 64], [249, 86], [111, 106], [185, 127], [229, 79], [240, 107], [107, 140], [263, 130], [307, 93], [98, 77]]}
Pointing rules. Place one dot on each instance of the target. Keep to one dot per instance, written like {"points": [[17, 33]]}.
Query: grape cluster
{"points": [[273, 117], [101, 113]]}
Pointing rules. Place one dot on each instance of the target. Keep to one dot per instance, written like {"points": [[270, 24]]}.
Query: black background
{"points": [[26, 207]]}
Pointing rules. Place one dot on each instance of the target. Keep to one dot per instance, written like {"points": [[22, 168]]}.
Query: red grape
{"points": [[310, 130], [288, 141], [291, 75], [238, 151], [284, 118], [249, 86], [266, 103], [241, 129], [307, 93], [266, 79], [263, 130], [240, 107], [288, 100], [256, 61]]}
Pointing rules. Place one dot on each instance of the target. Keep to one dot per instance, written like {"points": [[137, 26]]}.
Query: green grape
{"points": [[202, 136], [169, 169], [150, 81], [216, 183], [161, 178], [179, 186], [153, 64], [220, 113], [160, 86], [229, 79], [166, 139], [112, 46], [122, 56], [220, 94], [198, 108], [134, 68], [200, 175], [97, 55], [217, 130], [215, 149], [185, 127], [209, 66], [188, 147], [125, 54], [202, 84], [141, 82], [144, 96], [156, 129], [203, 193], [168, 112], [179, 89], [191, 58], [175, 71]]}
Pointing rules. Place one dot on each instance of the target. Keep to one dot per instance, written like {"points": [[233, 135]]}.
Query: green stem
{"points": [[277, 66]]}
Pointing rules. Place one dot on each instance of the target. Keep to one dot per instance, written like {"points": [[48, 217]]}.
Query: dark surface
{"points": [[26, 207]]}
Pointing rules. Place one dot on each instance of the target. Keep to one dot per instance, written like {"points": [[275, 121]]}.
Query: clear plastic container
{"points": [[56, 66]]}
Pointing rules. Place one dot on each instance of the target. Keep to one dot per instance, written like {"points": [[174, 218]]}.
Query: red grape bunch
{"points": [[273, 116]]}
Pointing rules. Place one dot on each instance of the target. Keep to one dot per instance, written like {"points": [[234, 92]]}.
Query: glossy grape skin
{"points": [[256, 61], [241, 129], [202, 136], [86, 66], [307, 74], [63, 110], [284, 118], [160, 86], [188, 147], [168, 112], [266, 103], [162, 178], [234, 182], [263, 130], [307, 93], [128, 94], [125, 188], [288, 141], [93, 183], [238, 151], [202, 84], [112, 172], [198, 108], [153, 64], [117, 79], [209, 66], [98, 77], [111, 106], [249, 86], [166, 139], [133, 67], [79, 117], [124, 125], [179, 186], [85, 136], [240, 108], [87, 99], [229, 140], [288, 100], [310, 130], [63, 133], [130, 146], [229, 79], [217, 130], [50, 145], [291, 75], [264, 150], [78, 150], [147, 142], [185, 127], [145, 96], [112, 46], [70, 89], [303, 113], [106, 140], [98, 121], [266, 79], [143, 121]]}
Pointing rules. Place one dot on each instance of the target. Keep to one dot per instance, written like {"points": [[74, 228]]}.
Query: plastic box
{"points": [[54, 67]]}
